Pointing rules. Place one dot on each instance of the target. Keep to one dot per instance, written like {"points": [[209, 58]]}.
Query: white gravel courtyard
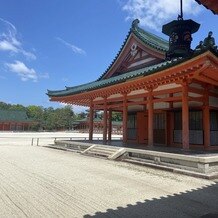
{"points": [[39, 182]]}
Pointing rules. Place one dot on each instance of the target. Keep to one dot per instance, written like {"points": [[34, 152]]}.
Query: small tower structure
{"points": [[180, 36]]}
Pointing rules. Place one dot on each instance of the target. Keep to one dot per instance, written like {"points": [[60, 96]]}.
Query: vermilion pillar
{"points": [[91, 113], [150, 119], [125, 111], [185, 117], [206, 119], [105, 121], [109, 124]]}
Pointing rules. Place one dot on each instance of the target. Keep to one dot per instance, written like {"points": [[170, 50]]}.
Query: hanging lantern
{"points": [[180, 36]]}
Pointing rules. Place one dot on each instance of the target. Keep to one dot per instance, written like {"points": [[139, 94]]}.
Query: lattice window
{"points": [[195, 120], [214, 120], [159, 121]]}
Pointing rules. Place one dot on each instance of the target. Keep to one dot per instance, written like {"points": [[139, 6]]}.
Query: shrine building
{"points": [[14, 120], [167, 92]]}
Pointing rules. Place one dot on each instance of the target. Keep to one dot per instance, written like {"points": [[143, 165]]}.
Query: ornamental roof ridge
{"points": [[151, 39], [147, 38]]}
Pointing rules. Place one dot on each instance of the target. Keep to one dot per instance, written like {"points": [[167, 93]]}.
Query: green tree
{"points": [[37, 114], [45, 118], [81, 115], [50, 122], [64, 117], [17, 107], [4, 106]]}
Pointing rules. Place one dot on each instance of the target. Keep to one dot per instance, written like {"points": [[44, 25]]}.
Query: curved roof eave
{"points": [[126, 76]]}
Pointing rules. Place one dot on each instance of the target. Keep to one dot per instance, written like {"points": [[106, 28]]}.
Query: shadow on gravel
{"points": [[202, 202]]}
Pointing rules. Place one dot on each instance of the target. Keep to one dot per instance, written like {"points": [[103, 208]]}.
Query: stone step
{"points": [[102, 151], [72, 145], [94, 153], [106, 153], [106, 148]]}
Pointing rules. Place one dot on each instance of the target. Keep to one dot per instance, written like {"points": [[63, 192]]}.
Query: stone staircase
{"points": [[69, 145], [101, 151]]}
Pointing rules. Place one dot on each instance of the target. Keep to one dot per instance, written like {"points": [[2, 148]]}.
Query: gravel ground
{"points": [[39, 182]]}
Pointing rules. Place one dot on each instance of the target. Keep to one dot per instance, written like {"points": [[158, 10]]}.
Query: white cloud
{"points": [[154, 13], [76, 108], [9, 41], [74, 48], [7, 46], [24, 72]]}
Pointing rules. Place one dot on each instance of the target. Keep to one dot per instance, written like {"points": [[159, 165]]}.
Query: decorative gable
{"points": [[140, 49], [137, 56]]}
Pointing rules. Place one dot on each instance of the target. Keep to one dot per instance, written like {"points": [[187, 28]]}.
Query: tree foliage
{"points": [[45, 118], [54, 119]]}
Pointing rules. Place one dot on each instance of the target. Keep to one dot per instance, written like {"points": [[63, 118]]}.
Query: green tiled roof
{"points": [[151, 39], [146, 37], [114, 80], [125, 77], [15, 116]]}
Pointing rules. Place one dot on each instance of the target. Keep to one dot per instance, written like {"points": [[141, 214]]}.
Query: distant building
{"points": [[83, 126], [14, 121]]}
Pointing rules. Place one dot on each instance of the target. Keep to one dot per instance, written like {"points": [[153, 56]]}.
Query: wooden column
{"points": [[150, 119], [105, 121], [185, 117], [91, 113], [125, 114], [109, 124], [206, 119], [170, 123]]}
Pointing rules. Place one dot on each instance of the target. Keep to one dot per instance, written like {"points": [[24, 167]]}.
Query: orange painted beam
{"points": [[168, 99], [196, 99], [208, 80]]}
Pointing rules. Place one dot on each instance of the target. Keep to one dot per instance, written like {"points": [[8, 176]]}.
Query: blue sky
{"points": [[48, 44]]}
